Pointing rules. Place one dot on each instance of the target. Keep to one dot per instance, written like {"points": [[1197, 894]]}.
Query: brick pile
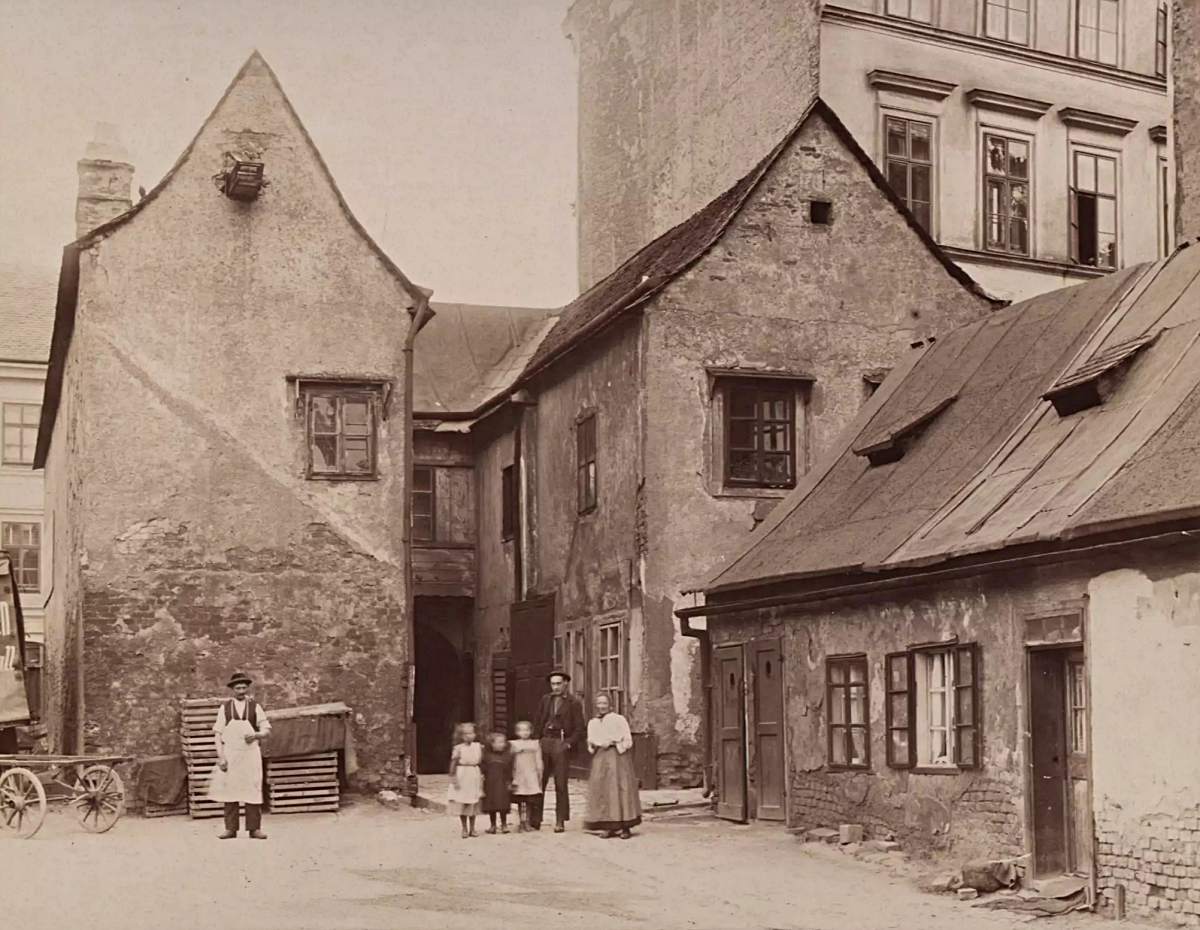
{"points": [[1157, 861]]}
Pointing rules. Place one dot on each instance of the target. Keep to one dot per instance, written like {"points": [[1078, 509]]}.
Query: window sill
{"points": [[848, 768], [752, 493], [342, 477], [937, 770], [1009, 260], [437, 544]]}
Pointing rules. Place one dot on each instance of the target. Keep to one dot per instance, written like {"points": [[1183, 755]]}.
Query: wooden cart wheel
{"points": [[22, 803], [99, 799]]}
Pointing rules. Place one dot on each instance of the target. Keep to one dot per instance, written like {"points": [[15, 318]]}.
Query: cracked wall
{"points": [[195, 544]]}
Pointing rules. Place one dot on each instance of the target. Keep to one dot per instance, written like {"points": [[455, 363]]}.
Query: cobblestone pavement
{"points": [[368, 868]]}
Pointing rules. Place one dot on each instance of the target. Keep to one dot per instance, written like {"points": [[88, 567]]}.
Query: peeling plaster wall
{"points": [[776, 293], [1145, 655], [677, 100], [204, 548]]}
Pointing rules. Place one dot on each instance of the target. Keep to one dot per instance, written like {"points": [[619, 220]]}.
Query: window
{"points": [[1096, 25], [1160, 41], [423, 500], [1164, 208], [1007, 20], [23, 541], [849, 733], [508, 502], [820, 212], [570, 654], [341, 431], [933, 708], [1006, 194], [909, 164], [1077, 708], [760, 430], [610, 665], [20, 432], [585, 463], [1094, 210], [911, 9]]}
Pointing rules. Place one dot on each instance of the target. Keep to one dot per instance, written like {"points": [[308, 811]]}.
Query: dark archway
{"points": [[441, 698]]}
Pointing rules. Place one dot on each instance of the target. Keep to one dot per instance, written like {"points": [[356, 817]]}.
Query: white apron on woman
{"points": [[241, 783]]}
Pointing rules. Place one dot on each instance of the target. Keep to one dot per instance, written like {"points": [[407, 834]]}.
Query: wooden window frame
{"points": [[22, 426], [508, 502], [963, 724], [586, 471], [847, 727], [607, 681], [1162, 41], [1005, 7], [1007, 183], [17, 554], [342, 394], [1080, 28], [779, 389], [1165, 230], [1074, 191], [431, 494], [908, 161], [892, 8]]}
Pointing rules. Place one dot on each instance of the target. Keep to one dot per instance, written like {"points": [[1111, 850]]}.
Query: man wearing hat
{"points": [[559, 726], [241, 724]]}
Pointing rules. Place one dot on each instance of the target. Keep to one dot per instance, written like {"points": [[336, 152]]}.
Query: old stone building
{"points": [[222, 434], [962, 626], [668, 407], [1030, 137]]}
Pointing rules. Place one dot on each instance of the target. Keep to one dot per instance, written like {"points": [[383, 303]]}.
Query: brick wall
{"points": [[1156, 859]]}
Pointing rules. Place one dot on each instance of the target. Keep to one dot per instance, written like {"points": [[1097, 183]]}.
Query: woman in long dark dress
{"points": [[613, 804]]}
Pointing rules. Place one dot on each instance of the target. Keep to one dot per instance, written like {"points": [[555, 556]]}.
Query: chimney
{"points": [[105, 178], [1185, 81]]}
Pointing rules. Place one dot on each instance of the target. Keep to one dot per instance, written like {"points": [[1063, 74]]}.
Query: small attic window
{"points": [[820, 212], [244, 180], [888, 444], [1092, 383]]}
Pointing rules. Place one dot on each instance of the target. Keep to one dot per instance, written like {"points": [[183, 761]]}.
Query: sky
{"points": [[448, 124]]}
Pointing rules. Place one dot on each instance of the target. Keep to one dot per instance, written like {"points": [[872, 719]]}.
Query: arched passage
{"points": [[442, 697]]}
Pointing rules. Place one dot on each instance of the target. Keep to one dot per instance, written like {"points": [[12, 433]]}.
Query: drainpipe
{"points": [[686, 629], [419, 314]]}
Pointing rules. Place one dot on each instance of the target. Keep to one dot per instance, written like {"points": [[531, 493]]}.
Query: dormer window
{"points": [[244, 180], [889, 443], [1092, 383]]}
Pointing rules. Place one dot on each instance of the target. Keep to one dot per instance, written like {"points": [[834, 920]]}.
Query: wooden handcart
{"points": [[89, 785]]}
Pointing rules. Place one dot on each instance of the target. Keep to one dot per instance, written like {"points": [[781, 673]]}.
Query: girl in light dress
{"points": [[466, 778], [527, 772]]}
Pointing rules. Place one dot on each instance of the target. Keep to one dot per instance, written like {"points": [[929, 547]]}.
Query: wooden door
{"points": [[531, 633], [770, 788], [729, 668], [1079, 813], [1062, 822]]}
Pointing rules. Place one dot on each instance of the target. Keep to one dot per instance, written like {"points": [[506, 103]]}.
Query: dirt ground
{"points": [[376, 869]]}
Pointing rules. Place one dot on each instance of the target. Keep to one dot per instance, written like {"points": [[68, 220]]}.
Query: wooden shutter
{"points": [[900, 714], [966, 706]]}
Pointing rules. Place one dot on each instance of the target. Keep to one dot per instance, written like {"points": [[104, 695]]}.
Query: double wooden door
{"points": [[531, 634], [750, 731]]}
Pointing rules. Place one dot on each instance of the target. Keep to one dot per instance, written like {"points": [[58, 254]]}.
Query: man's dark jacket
{"points": [[571, 713]]}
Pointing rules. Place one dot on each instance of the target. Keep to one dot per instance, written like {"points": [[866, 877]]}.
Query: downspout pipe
{"points": [[701, 635], [419, 314]]}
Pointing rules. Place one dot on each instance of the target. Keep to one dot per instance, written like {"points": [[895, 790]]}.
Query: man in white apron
{"points": [[241, 723]]}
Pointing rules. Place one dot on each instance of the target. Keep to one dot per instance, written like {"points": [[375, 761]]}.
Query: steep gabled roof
{"points": [[26, 312], [649, 270], [68, 281], [999, 467], [467, 354]]}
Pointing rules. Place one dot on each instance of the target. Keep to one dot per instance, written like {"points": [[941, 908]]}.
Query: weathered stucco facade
{"points": [[192, 540], [817, 306], [677, 100]]}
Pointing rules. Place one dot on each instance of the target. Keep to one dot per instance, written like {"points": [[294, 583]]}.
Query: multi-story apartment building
{"points": [[26, 317], [1029, 136]]}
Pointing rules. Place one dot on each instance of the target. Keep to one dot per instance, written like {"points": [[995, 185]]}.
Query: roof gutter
{"points": [[923, 577]]}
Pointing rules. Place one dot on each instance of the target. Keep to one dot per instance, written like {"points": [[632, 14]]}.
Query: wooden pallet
{"points": [[200, 751], [150, 809], [300, 784]]}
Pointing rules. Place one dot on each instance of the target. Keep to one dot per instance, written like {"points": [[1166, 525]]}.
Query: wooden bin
{"points": [[300, 784]]}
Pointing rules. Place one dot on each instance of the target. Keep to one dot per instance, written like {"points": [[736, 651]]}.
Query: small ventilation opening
{"points": [[820, 212]]}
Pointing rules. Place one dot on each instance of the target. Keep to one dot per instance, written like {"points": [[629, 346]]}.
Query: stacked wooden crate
{"points": [[200, 751], [300, 784]]}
